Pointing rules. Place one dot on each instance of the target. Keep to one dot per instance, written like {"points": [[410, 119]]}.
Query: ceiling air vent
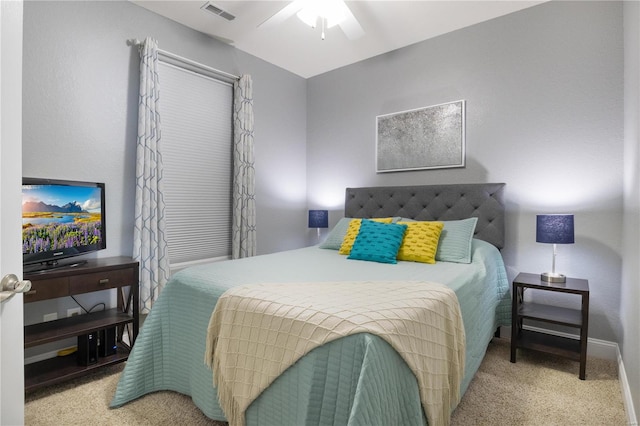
{"points": [[217, 11]]}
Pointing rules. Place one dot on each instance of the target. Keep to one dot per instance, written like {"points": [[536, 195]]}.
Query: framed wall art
{"points": [[425, 138]]}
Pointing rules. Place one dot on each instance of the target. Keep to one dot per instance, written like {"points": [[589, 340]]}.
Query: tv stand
{"points": [[118, 273], [54, 264]]}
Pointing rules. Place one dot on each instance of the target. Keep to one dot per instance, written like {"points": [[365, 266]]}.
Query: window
{"points": [[196, 119]]}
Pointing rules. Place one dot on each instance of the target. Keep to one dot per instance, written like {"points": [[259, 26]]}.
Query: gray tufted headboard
{"points": [[434, 202]]}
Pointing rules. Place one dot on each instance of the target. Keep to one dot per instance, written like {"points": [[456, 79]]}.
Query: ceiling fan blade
{"points": [[283, 14], [223, 39], [351, 26]]}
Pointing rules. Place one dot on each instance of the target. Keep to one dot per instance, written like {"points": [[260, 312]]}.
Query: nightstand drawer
{"points": [[47, 289], [86, 283]]}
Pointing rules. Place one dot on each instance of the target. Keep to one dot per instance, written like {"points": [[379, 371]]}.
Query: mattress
{"points": [[355, 380]]}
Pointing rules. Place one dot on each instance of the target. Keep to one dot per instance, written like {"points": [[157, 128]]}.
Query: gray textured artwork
{"points": [[425, 138]]}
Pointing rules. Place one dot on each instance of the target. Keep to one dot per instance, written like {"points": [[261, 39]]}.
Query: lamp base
{"points": [[553, 277]]}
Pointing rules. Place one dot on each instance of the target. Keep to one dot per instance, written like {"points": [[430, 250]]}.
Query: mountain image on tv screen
{"points": [[58, 217]]}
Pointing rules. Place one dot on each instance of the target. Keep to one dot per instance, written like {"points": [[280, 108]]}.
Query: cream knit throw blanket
{"points": [[257, 331]]}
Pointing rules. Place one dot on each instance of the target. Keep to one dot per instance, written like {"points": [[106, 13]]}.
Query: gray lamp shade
{"points": [[554, 228], [318, 219]]}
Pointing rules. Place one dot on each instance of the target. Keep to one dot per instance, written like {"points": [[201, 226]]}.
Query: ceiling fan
{"points": [[323, 13]]}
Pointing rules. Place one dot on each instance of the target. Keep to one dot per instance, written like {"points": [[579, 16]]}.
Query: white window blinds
{"points": [[196, 120]]}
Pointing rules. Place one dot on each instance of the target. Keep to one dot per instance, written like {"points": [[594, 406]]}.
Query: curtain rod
{"points": [[138, 43]]}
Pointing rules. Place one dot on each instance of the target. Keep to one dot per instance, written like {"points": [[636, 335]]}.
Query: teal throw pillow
{"points": [[455, 240], [378, 242]]}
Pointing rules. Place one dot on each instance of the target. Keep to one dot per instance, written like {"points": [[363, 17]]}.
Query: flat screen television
{"points": [[61, 219]]}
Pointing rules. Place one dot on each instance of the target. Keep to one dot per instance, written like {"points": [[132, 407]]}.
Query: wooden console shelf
{"points": [[120, 273]]}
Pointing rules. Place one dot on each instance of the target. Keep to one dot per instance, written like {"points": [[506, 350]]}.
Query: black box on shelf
{"points": [[107, 342], [88, 348]]}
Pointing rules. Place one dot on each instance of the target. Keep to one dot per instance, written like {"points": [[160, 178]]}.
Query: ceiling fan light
{"points": [[308, 16], [332, 11]]}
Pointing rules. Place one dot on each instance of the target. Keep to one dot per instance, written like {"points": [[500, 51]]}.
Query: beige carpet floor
{"points": [[538, 390]]}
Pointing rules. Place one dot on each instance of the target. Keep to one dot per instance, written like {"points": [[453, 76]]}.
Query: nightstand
{"points": [[542, 342]]}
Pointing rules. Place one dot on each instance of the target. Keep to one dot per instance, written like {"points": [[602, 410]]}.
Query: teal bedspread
{"points": [[357, 380]]}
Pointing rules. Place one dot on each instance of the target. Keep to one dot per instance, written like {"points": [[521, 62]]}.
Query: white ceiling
{"points": [[294, 46]]}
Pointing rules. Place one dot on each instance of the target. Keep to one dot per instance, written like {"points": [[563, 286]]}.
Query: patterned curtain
{"points": [[243, 240], [149, 238]]}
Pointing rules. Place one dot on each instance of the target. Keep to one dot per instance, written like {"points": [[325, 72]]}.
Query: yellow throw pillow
{"points": [[352, 233], [420, 241]]}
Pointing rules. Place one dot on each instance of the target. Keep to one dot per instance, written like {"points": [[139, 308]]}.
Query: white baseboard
{"points": [[602, 349], [632, 420]]}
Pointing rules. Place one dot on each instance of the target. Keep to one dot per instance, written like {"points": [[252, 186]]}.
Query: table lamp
{"points": [[318, 219], [554, 229]]}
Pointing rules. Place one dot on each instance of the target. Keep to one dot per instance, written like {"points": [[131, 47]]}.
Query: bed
{"points": [[359, 379]]}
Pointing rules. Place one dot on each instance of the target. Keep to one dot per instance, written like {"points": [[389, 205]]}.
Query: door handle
{"points": [[11, 285]]}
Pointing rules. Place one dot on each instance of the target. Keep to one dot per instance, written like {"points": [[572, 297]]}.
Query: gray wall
{"points": [[80, 90], [629, 313], [544, 92], [80, 110]]}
